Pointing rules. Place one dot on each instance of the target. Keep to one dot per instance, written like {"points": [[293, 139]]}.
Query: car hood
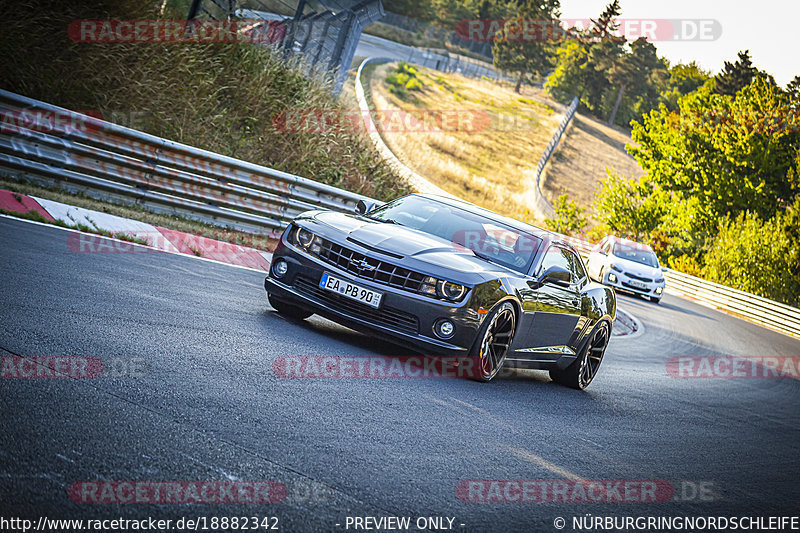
{"points": [[419, 250], [638, 269]]}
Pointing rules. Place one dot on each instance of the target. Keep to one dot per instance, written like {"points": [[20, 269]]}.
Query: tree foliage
{"points": [[721, 190], [569, 219], [735, 76], [732, 154], [757, 255], [526, 55]]}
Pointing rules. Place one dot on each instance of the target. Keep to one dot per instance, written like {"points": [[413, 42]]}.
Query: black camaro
{"points": [[446, 277]]}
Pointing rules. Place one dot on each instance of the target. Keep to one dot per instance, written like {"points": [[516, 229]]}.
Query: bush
{"points": [[569, 218], [758, 256], [403, 77], [414, 85], [686, 264]]}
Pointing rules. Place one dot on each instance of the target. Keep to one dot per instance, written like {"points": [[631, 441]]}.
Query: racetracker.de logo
{"points": [[180, 492], [521, 30], [176, 31], [72, 367], [734, 367], [50, 367], [47, 121], [388, 120], [399, 367], [564, 491]]}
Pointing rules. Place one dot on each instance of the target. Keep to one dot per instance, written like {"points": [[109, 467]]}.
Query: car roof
{"points": [[628, 242]]}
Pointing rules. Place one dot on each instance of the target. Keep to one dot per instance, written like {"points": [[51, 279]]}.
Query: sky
{"points": [[768, 28]]}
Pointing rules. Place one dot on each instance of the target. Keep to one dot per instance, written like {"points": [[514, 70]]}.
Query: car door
{"points": [[557, 310]]}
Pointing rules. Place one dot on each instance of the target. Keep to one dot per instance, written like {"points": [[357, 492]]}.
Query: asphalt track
{"points": [[208, 406]]}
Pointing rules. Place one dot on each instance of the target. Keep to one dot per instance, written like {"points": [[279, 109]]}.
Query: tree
{"points": [[569, 218], [569, 76], [730, 154], [793, 90], [734, 76], [683, 79], [633, 71], [521, 51], [606, 25]]}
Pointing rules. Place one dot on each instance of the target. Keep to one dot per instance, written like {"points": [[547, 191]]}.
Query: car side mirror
{"points": [[362, 207], [603, 252], [556, 275]]}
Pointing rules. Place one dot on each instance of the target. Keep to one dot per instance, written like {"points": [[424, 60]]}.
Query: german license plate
{"points": [[637, 284], [351, 290]]}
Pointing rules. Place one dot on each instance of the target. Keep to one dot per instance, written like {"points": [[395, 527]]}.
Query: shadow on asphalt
{"points": [[663, 305]]}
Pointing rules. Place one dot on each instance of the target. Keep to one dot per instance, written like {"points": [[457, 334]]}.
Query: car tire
{"points": [[655, 300], [485, 358], [578, 375], [287, 309]]}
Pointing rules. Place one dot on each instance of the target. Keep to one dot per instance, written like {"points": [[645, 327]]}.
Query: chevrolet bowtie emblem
{"points": [[363, 265]]}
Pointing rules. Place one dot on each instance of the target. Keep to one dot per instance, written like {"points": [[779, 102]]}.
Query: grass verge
{"points": [[491, 163]]}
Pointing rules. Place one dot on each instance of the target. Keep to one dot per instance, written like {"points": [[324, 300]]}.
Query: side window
{"points": [[556, 256], [578, 272]]}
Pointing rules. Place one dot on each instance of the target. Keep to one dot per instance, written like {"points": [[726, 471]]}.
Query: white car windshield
{"points": [[636, 254]]}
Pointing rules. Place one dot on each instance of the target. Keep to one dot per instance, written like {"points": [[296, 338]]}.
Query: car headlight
{"points": [[451, 291], [615, 267], [660, 280], [304, 237]]}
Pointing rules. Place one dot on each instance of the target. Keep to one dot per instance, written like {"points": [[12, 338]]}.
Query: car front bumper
{"points": [[406, 318], [621, 281]]}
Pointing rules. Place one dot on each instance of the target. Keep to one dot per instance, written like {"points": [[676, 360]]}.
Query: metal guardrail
{"points": [[441, 60], [111, 161], [108, 160], [542, 204], [763, 311]]}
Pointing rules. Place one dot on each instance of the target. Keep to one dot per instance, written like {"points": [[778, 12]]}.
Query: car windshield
{"points": [[487, 238], [636, 253]]}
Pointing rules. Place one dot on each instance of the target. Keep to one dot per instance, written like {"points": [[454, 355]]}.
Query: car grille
{"points": [[640, 278], [385, 316], [384, 272]]}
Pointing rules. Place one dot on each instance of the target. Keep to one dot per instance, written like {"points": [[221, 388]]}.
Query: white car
{"points": [[627, 265]]}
